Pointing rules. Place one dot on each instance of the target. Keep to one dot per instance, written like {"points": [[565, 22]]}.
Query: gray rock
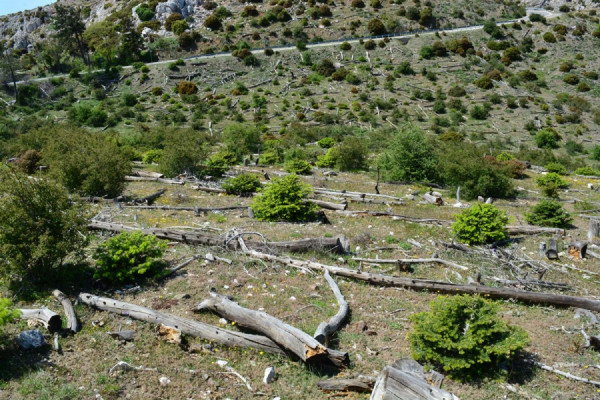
{"points": [[269, 375], [31, 339]]}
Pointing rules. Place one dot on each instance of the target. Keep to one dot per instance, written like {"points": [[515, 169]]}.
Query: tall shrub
{"points": [[285, 199]]}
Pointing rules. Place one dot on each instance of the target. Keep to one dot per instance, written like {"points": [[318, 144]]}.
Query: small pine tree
{"points": [[285, 199], [479, 224], [549, 213]]}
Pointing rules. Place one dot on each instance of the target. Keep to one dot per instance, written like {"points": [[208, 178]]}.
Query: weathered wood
{"points": [[329, 205], [148, 200], [327, 328], [594, 229], [210, 189], [348, 193], [577, 250], [360, 384], [338, 245], [72, 322], [149, 179], [437, 286], [552, 249], [395, 384], [148, 174], [432, 199], [186, 326], [408, 261], [196, 210], [533, 230], [51, 320], [304, 346]]}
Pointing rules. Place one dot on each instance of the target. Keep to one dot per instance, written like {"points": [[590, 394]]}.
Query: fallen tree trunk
{"points": [[333, 325], [186, 326], [432, 199], [293, 339], [393, 383], [361, 385], [533, 230], [148, 200], [359, 194], [149, 179], [51, 320], [148, 174], [329, 205], [72, 322], [408, 261], [196, 210], [210, 189], [338, 245], [437, 286]]}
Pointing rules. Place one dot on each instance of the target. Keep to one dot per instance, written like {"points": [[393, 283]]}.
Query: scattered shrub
{"points": [[172, 18], [465, 337], [484, 83], [556, 167], [571, 79], [301, 167], [129, 257], [587, 171], [549, 37], [186, 87], [376, 27], [7, 313], [410, 157], [328, 142], [285, 199], [550, 183], [183, 150], [547, 139], [144, 13], [480, 224], [548, 213], [152, 156], [345, 46], [213, 23], [29, 161], [457, 91], [39, 227], [242, 185]]}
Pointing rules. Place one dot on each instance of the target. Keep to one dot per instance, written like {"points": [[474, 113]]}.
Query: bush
{"points": [[285, 199], [571, 79], [548, 213], [184, 149], [479, 112], [404, 69], [480, 224], [39, 228], [549, 37], [376, 27], [410, 157], [7, 313], [186, 87], [426, 52], [587, 171], [547, 139], [172, 18], [29, 161], [556, 167], [129, 257], [301, 167], [129, 99], [242, 185], [457, 91], [328, 142], [345, 46], [242, 139], [213, 23], [219, 163], [84, 162], [325, 67], [550, 183], [179, 27], [465, 336], [484, 83], [144, 13], [157, 91], [152, 156]]}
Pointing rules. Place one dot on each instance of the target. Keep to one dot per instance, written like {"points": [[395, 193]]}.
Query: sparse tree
{"points": [[69, 26]]}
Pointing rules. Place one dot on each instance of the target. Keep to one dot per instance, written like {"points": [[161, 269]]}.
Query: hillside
{"points": [[383, 131]]}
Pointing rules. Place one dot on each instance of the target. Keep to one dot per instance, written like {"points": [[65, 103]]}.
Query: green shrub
{"points": [[465, 337], [547, 139], [556, 167], [183, 151], [328, 142], [550, 183], [129, 99], [219, 163], [152, 156], [548, 213], [213, 22], [144, 13], [571, 79], [172, 18], [179, 27], [242, 185], [242, 139], [345, 46], [549, 37], [410, 157], [129, 257], [327, 160], [588, 171], [270, 158], [426, 52], [157, 91], [350, 154], [39, 228], [479, 113], [186, 87], [301, 167], [285, 199], [376, 27], [484, 83], [404, 69], [325, 67], [7, 313], [480, 224], [88, 163]]}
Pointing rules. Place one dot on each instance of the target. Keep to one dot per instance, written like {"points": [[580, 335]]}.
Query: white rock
{"points": [[292, 298], [120, 366], [221, 363], [222, 321], [269, 375], [164, 381], [31, 339]]}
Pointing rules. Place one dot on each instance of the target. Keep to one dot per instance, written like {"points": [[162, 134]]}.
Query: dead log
{"points": [[148, 200], [432, 199], [51, 320], [72, 322], [594, 229], [348, 193], [210, 189], [533, 230], [328, 205], [577, 250], [327, 328], [407, 261], [196, 210], [150, 179], [437, 286], [552, 249], [186, 326], [393, 383], [360, 384], [338, 245], [288, 337], [148, 174]]}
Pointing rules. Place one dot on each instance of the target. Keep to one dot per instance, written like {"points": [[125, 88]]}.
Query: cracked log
{"points": [[304, 346], [394, 383], [72, 322], [148, 200], [338, 245], [186, 326], [437, 286], [51, 320], [327, 328]]}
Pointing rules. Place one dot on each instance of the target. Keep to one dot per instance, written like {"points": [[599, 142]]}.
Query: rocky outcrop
{"points": [[183, 7]]}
